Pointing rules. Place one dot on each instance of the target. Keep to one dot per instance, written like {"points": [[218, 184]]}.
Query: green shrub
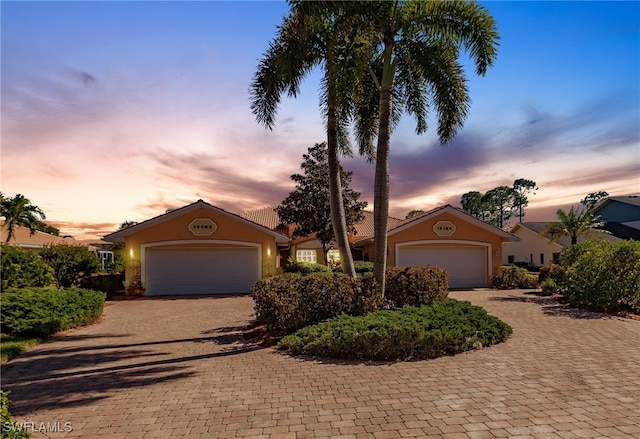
{"points": [[416, 286], [70, 263], [548, 286], [363, 267], [603, 275], [554, 272], [515, 277], [304, 267], [286, 303], [40, 312], [410, 333], [10, 428], [22, 268]]}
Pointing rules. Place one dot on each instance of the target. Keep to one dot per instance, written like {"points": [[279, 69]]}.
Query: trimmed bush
{"points": [[554, 272], [22, 268], [515, 277], [363, 267], [289, 302], [10, 428], [410, 333], [40, 312], [304, 267], [603, 275], [286, 303], [416, 286]]}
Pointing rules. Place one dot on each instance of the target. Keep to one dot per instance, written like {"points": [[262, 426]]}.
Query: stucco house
{"points": [[198, 249], [536, 250], [467, 247], [202, 249]]}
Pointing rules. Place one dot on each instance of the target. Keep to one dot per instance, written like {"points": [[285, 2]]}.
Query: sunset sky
{"points": [[116, 111]]}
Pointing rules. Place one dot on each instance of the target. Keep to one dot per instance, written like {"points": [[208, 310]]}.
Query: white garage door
{"points": [[200, 271], [467, 266]]}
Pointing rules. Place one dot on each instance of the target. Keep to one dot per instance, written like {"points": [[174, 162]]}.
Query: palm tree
{"points": [[18, 211], [574, 223], [419, 43], [305, 40]]}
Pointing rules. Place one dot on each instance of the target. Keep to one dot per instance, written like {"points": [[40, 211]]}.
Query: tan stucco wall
{"points": [[229, 228]]}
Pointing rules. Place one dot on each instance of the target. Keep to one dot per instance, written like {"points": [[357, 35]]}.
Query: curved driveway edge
{"points": [[180, 368]]}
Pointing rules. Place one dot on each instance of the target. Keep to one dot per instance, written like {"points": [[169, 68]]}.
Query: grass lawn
{"points": [[11, 347]]}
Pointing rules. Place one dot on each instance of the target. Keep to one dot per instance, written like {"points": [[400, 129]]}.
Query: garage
{"points": [[187, 271], [467, 265]]}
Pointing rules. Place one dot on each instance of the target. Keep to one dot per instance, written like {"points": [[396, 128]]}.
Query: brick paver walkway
{"points": [[180, 368]]}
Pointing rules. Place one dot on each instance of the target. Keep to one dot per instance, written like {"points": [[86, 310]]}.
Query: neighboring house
{"points": [[536, 250], [621, 216], [23, 238], [198, 249], [467, 247]]}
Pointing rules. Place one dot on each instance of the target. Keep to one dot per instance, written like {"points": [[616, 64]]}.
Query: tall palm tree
{"points": [[18, 211], [419, 42], [305, 40], [573, 224]]}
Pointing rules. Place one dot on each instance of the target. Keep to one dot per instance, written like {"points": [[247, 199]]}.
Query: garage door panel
{"points": [[467, 266], [201, 271]]}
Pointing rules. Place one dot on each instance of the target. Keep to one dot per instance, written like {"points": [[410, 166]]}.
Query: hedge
{"points": [[40, 312], [287, 303], [511, 276], [410, 333], [416, 286]]}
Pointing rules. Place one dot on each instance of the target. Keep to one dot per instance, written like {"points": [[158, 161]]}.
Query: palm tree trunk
{"points": [[338, 217], [381, 188]]}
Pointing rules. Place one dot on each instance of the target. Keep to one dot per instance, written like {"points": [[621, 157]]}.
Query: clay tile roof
{"points": [[364, 228], [265, 216]]}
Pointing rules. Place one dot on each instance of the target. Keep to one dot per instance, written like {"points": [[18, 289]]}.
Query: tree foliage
{"points": [[414, 212], [70, 263], [498, 205], [308, 206], [19, 212], [21, 268], [574, 223], [309, 36]]}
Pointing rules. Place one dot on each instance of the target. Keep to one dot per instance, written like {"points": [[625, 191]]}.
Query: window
{"points": [[306, 255], [106, 258], [556, 258], [511, 259], [541, 258], [333, 256]]}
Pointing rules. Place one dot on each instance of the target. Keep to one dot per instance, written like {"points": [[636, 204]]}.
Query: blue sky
{"points": [[115, 111]]}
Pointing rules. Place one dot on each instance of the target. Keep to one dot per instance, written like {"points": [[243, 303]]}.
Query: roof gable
{"points": [[120, 235], [413, 221]]}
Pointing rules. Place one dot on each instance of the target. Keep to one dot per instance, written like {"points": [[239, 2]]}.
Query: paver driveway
{"points": [[180, 368]]}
